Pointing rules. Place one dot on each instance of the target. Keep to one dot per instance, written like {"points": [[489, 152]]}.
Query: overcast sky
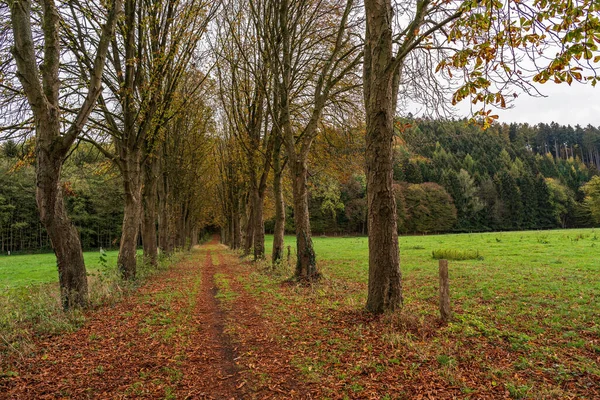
{"points": [[566, 105]]}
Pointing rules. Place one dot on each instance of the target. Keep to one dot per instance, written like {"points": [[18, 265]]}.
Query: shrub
{"points": [[455, 254]]}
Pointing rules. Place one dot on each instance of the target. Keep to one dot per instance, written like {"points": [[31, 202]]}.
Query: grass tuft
{"points": [[456, 255]]}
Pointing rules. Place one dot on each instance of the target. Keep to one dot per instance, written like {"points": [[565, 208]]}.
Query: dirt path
{"points": [[192, 332], [210, 368]]}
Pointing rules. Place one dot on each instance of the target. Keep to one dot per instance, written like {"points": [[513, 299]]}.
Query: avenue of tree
{"points": [[218, 114]]}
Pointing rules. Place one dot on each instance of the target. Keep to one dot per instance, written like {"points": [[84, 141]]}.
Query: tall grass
{"points": [[34, 311]]}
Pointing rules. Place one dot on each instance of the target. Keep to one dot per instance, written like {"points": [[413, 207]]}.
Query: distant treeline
{"points": [[450, 176], [454, 176], [93, 194]]}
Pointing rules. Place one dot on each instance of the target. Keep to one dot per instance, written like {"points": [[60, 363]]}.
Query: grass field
{"points": [[23, 270], [526, 316], [532, 296], [520, 272]]}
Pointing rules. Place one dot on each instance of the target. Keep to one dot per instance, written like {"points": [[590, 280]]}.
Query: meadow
{"points": [[18, 271], [525, 316], [517, 275]]}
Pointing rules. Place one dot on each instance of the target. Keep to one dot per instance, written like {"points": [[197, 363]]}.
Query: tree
{"points": [[592, 197], [245, 90], [148, 58], [511, 211], [42, 87], [313, 56], [485, 40], [429, 208], [187, 189], [561, 201], [461, 186]]}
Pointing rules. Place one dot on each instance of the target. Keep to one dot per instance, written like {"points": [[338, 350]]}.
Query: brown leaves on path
{"points": [[169, 340]]}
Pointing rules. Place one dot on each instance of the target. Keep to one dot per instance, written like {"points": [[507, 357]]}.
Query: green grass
{"points": [[455, 254], [530, 298], [33, 269], [521, 274]]}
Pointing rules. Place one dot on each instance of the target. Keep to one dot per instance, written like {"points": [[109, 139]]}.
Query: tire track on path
{"points": [[210, 370], [176, 337], [268, 373]]}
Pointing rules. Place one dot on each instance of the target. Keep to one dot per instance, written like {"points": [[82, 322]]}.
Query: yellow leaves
{"points": [[441, 65], [500, 99]]}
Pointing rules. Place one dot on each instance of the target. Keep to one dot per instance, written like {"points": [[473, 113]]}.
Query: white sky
{"points": [[564, 104]]}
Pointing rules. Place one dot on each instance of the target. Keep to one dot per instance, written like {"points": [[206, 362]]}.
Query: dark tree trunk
{"points": [[306, 264], [385, 287], [194, 238], [279, 231], [149, 200], [65, 240], [236, 226], [258, 229], [163, 215], [249, 231], [132, 184]]}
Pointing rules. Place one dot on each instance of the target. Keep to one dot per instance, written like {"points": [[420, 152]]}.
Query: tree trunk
{"points": [[306, 264], [149, 199], [249, 225], [258, 229], [194, 238], [131, 215], [385, 287], [279, 231], [64, 236], [236, 226], [163, 215]]}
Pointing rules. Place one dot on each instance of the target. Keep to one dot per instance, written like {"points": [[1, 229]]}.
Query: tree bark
{"points": [[236, 226], [306, 264], [385, 286], [249, 225], [132, 184], [279, 231], [64, 236], [163, 214], [258, 229], [149, 199], [194, 238]]}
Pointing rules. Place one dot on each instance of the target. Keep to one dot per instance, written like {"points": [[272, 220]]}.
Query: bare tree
{"points": [[492, 46], [313, 52], [42, 87], [148, 58], [245, 96]]}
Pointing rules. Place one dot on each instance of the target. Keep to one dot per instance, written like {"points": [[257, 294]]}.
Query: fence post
{"points": [[444, 291]]}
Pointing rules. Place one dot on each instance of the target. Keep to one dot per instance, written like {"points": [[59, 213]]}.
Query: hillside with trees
{"points": [[454, 176], [451, 176]]}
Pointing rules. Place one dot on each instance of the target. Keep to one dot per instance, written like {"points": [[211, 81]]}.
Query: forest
{"points": [[246, 116], [450, 176]]}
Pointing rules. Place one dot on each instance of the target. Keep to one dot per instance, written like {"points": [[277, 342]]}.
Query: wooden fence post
{"points": [[444, 291]]}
